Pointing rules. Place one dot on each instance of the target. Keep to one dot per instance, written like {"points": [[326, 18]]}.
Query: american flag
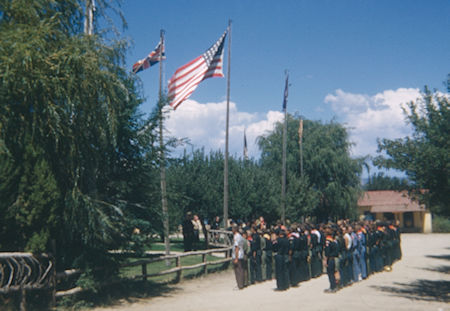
{"points": [[186, 79], [151, 59]]}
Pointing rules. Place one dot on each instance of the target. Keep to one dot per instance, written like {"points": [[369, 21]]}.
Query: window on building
{"points": [[389, 216], [408, 219]]}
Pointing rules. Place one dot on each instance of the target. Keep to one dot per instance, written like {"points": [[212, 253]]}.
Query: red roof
{"points": [[384, 201]]}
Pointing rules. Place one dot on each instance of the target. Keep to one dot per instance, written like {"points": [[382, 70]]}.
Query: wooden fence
{"points": [[219, 238], [145, 262], [25, 271]]}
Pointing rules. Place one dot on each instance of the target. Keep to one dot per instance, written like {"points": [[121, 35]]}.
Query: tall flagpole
{"points": [[162, 163], [89, 17], [225, 167], [300, 142], [283, 178]]}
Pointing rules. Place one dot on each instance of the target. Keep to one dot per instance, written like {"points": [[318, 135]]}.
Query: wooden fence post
{"points": [[23, 300], [144, 271], [178, 264], [52, 259], [205, 267]]}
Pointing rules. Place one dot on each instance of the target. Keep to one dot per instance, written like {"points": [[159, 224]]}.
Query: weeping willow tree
{"points": [[330, 185], [76, 156]]}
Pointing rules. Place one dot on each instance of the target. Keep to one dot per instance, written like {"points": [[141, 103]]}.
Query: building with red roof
{"points": [[396, 206]]}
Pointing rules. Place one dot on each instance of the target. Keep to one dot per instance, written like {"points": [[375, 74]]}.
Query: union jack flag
{"points": [[186, 78], [151, 58]]}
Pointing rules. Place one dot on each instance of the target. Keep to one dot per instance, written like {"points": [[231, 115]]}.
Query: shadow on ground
{"points": [[440, 269], [426, 290], [444, 257], [127, 290]]}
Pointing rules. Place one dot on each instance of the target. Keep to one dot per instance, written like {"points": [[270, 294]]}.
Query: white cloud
{"points": [[204, 126], [372, 117]]}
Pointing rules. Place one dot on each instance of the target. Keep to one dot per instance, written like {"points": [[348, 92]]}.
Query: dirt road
{"points": [[420, 281]]}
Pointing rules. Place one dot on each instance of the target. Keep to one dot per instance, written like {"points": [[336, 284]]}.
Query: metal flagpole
{"points": [[89, 17], [225, 167], [300, 142], [162, 163], [283, 178]]}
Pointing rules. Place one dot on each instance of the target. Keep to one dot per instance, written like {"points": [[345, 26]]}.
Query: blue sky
{"points": [[356, 61]]}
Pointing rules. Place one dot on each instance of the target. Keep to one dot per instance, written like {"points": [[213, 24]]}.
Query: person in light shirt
{"points": [[238, 256]]}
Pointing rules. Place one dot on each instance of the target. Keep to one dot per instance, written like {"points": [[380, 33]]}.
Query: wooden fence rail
{"points": [[144, 262], [219, 238], [26, 271]]}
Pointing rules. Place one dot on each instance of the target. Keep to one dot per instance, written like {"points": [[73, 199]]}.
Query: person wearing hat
{"points": [[255, 259], [281, 247], [294, 254], [331, 252], [304, 273]]}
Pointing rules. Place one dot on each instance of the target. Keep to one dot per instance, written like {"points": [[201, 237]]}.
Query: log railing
{"points": [[177, 269], [25, 271], [219, 238]]}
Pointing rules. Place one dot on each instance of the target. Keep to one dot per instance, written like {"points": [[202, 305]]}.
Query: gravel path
{"points": [[420, 281]]}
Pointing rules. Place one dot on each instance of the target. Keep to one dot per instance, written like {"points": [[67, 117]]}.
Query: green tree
{"points": [[382, 182], [76, 154], [424, 156], [330, 185]]}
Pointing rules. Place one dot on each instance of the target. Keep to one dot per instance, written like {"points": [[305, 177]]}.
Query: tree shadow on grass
{"points": [[426, 290]]}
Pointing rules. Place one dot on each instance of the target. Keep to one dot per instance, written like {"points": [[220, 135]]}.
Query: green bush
{"points": [[441, 224]]}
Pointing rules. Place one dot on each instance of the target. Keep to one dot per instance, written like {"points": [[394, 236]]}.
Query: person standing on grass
{"points": [[238, 256], [188, 232]]}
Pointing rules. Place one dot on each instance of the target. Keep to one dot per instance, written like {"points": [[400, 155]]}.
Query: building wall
{"points": [[422, 220]]}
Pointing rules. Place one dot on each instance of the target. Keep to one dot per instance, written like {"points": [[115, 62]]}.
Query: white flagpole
{"points": [[225, 172], [162, 165]]}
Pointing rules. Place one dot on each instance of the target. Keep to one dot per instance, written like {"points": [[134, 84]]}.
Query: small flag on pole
{"points": [[286, 93], [245, 147], [186, 79], [300, 130], [151, 59]]}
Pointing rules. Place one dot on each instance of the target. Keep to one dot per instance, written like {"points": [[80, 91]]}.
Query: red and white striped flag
{"points": [[151, 59], [186, 79]]}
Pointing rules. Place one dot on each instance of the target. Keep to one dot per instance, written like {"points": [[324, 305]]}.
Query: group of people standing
{"points": [[192, 227], [349, 252]]}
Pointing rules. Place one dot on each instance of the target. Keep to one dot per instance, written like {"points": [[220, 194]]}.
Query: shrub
{"points": [[441, 224]]}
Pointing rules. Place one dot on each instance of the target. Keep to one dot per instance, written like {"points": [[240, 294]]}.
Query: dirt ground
{"points": [[420, 281]]}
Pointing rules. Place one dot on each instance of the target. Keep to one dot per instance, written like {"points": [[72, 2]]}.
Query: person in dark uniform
{"points": [[372, 249], [188, 232], [255, 259], [268, 259], [379, 260], [342, 258], [316, 254], [331, 252], [281, 247], [294, 254], [398, 249], [304, 273]]}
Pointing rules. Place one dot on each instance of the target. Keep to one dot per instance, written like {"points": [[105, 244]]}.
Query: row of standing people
{"points": [[350, 252]]}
